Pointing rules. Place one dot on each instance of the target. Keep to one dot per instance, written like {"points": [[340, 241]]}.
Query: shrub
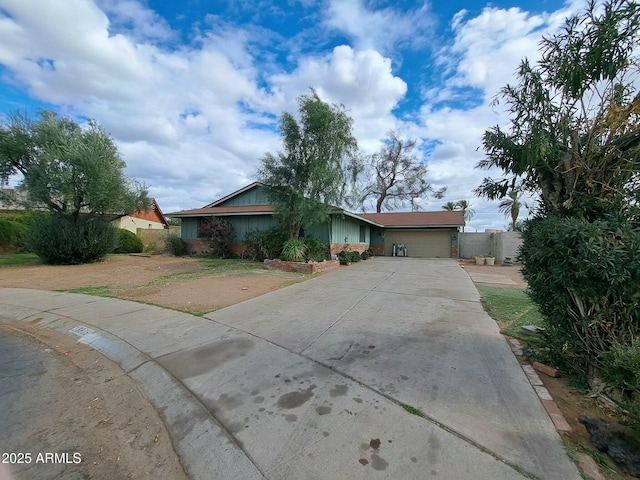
{"points": [[218, 232], [175, 245], [294, 250], [344, 257], [317, 251], [127, 242], [67, 241], [583, 276], [13, 235], [355, 257], [261, 244]]}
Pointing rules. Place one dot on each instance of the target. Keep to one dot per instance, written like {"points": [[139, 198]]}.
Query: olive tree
{"points": [[74, 172]]}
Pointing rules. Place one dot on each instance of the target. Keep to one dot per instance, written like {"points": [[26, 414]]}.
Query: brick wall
{"points": [[352, 247]]}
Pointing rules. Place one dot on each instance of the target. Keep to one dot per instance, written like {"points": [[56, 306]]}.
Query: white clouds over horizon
{"points": [[192, 118]]}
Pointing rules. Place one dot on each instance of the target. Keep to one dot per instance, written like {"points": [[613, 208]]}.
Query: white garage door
{"points": [[420, 243]]}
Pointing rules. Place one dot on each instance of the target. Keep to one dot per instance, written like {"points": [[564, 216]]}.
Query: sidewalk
{"points": [[310, 381]]}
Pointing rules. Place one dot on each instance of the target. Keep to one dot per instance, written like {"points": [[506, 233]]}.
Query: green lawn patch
{"points": [[511, 308], [14, 259]]}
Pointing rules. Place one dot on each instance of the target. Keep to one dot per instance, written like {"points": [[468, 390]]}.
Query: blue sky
{"points": [[192, 90]]}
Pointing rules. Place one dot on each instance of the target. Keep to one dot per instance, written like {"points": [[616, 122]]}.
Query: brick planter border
{"points": [[311, 267]]}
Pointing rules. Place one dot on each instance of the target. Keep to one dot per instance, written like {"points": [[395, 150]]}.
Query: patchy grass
{"points": [[230, 264], [95, 291], [511, 308], [15, 259]]}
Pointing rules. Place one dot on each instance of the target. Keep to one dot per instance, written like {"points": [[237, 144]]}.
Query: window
{"points": [[363, 234]]}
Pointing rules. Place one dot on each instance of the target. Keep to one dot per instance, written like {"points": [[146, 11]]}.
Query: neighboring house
{"points": [[13, 200], [152, 219], [425, 234]]}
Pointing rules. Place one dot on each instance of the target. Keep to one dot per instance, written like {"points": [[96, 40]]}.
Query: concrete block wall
{"points": [[472, 244], [500, 244]]}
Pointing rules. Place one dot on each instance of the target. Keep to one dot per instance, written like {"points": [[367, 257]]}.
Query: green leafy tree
{"points": [[311, 173], [77, 174], [396, 176], [574, 142], [69, 169], [574, 138]]}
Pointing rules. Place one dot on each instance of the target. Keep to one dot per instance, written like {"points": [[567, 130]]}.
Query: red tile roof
{"points": [[445, 218]]}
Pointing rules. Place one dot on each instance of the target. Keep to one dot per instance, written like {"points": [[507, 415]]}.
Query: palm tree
{"points": [[451, 206], [467, 212], [511, 207]]}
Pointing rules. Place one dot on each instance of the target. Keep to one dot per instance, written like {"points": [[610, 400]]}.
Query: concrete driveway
{"points": [[388, 368]]}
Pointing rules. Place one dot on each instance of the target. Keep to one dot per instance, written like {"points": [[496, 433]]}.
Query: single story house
{"points": [[151, 219], [15, 200], [424, 234]]}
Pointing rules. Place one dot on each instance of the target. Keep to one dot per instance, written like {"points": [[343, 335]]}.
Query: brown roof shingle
{"points": [[417, 219]]}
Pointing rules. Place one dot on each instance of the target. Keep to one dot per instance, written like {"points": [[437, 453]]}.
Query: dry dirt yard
{"points": [[181, 283]]}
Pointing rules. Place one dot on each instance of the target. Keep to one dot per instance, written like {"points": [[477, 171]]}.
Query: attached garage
{"points": [[420, 243], [425, 234]]}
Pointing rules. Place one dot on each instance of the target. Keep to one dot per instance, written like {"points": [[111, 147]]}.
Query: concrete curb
{"points": [[203, 446]]}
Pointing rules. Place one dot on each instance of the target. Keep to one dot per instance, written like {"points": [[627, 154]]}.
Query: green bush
{"points": [[13, 235], [68, 241], [294, 250], [175, 245], [584, 277], [127, 242], [316, 250], [354, 257], [261, 244]]}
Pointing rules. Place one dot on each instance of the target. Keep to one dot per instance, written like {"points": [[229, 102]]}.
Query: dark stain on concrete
{"points": [[338, 391], [228, 402], [258, 399], [363, 462], [291, 418], [323, 410], [375, 443], [325, 434], [371, 347], [295, 399], [414, 459], [404, 377], [254, 392], [378, 463], [357, 399], [199, 360]]}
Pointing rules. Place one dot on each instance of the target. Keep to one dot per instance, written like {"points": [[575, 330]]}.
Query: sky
{"points": [[192, 90]]}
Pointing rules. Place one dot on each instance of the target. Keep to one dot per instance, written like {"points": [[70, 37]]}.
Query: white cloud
{"points": [[363, 81], [382, 29]]}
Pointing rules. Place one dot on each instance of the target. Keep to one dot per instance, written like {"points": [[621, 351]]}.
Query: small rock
{"points": [[621, 443]]}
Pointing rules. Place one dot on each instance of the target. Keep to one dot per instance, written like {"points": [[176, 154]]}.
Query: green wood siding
{"points": [[245, 224], [189, 228], [241, 225], [253, 196], [319, 231], [377, 236], [349, 228]]}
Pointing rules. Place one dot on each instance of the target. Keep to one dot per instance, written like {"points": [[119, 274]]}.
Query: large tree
{"points": [[396, 176], [574, 136], [67, 168], [309, 176], [574, 142]]}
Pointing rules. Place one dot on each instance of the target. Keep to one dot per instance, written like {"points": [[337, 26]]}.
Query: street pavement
{"points": [[389, 368]]}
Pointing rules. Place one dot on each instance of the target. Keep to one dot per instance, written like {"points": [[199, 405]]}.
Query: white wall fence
{"points": [[501, 245]]}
